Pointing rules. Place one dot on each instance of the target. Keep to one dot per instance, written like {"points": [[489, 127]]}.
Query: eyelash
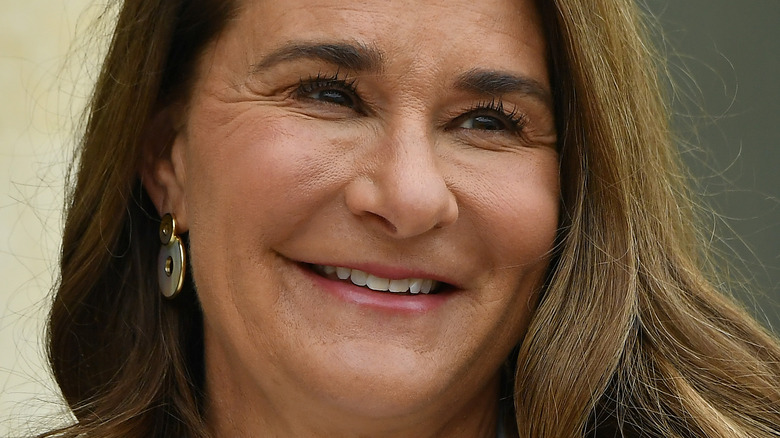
{"points": [[514, 120], [329, 82]]}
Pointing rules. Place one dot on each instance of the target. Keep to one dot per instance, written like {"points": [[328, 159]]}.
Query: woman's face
{"points": [[328, 140]]}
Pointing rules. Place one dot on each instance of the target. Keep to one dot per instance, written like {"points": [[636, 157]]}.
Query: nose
{"points": [[404, 192]]}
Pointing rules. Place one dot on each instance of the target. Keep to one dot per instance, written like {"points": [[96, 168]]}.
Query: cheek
{"points": [[262, 174], [524, 217], [516, 205], [252, 183]]}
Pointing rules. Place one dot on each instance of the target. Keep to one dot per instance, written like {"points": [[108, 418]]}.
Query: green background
{"points": [[724, 61]]}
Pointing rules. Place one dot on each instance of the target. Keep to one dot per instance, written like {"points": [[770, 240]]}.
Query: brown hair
{"points": [[630, 335], [129, 364]]}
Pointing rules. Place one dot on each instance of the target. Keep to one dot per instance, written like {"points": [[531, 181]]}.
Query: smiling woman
{"points": [[353, 153], [391, 219]]}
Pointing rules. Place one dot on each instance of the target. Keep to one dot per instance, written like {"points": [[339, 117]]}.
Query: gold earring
{"points": [[171, 261]]}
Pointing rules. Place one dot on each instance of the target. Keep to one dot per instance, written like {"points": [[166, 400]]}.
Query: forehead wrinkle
{"points": [[354, 56]]}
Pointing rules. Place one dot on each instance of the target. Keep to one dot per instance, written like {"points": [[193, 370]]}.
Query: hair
{"points": [[630, 338]]}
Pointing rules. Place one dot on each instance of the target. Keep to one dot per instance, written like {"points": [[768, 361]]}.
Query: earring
{"points": [[171, 261]]}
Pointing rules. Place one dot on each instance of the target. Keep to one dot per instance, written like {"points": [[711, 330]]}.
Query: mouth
{"points": [[402, 286]]}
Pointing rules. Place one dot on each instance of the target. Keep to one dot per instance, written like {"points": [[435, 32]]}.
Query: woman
{"points": [[392, 219]]}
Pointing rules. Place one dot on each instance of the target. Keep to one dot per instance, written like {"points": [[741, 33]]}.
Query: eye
{"points": [[490, 116], [334, 96], [484, 122], [334, 90]]}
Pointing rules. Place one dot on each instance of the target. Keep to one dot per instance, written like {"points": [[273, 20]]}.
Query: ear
{"points": [[163, 172]]}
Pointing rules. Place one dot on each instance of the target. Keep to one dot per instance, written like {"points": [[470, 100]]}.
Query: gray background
{"points": [[724, 60]]}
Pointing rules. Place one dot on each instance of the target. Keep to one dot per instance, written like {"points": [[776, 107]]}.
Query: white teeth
{"points": [[399, 285], [360, 278], [376, 283], [415, 285]]}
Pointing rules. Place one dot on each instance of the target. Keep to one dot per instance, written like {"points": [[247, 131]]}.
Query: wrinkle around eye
{"points": [[502, 140], [246, 94], [231, 108], [288, 97], [253, 108], [246, 91]]}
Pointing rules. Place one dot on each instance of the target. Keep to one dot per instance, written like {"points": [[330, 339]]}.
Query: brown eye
{"points": [[334, 96], [331, 90], [491, 116], [490, 120], [487, 123]]}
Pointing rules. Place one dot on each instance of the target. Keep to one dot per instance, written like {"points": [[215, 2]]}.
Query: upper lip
{"points": [[393, 272]]}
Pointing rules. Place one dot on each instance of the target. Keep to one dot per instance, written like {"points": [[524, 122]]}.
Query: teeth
{"points": [[376, 283], [360, 278], [415, 285], [399, 285]]}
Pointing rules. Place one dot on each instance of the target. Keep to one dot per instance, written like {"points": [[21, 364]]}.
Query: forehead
{"points": [[421, 35]]}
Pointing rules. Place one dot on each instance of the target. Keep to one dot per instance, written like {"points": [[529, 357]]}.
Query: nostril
{"points": [[381, 222], [391, 228]]}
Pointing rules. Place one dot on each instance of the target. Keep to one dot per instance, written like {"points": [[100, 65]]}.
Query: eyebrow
{"points": [[363, 58], [351, 56], [496, 83]]}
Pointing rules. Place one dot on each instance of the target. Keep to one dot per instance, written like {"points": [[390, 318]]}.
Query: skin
{"points": [[401, 176]]}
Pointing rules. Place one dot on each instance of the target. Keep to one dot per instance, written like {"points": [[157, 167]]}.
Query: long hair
{"points": [[630, 337], [127, 363]]}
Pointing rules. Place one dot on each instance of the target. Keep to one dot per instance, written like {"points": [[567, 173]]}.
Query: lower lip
{"points": [[385, 301]]}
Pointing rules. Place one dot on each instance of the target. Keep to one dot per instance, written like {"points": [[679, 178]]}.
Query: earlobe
{"points": [[162, 170]]}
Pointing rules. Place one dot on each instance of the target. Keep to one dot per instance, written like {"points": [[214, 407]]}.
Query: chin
{"points": [[382, 383]]}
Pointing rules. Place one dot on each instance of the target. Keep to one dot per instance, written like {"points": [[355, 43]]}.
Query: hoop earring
{"points": [[171, 261]]}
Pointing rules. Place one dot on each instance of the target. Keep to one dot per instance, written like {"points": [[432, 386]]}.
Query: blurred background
{"points": [[46, 66], [724, 61]]}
